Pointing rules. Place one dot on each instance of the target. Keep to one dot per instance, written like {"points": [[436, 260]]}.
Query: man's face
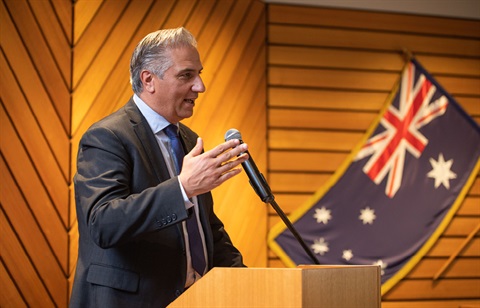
{"points": [[174, 95]]}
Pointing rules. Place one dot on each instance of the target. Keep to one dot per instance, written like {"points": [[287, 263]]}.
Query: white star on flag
{"points": [[367, 215], [320, 246], [347, 254], [441, 171], [322, 215]]}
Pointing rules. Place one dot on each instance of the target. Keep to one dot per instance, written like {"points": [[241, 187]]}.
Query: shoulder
{"points": [[187, 132], [127, 115], [119, 128]]}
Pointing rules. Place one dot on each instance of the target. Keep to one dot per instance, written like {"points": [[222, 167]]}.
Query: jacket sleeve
{"points": [[117, 195]]}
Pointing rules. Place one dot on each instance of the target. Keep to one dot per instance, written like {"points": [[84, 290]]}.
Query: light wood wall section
{"points": [[35, 68], [330, 71], [63, 66], [230, 37]]}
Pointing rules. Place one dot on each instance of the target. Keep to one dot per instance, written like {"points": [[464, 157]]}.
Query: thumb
{"points": [[197, 150]]}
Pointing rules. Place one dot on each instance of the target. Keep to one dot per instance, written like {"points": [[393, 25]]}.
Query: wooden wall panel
{"points": [[304, 15], [64, 65], [33, 89], [230, 37], [35, 61], [330, 72], [54, 73]]}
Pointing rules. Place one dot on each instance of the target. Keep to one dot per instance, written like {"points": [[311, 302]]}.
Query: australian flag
{"points": [[398, 190]]}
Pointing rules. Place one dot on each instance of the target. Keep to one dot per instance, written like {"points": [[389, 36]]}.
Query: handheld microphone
{"points": [[257, 180], [259, 184]]}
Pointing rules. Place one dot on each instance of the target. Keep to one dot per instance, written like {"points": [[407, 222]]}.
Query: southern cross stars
{"points": [[441, 172], [320, 246], [367, 215], [322, 215], [347, 254]]}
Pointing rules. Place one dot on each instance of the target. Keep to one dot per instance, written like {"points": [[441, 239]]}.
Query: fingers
{"points": [[228, 175], [229, 164], [203, 172], [227, 150]]}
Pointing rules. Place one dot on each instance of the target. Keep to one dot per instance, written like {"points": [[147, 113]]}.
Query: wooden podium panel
{"points": [[305, 286]]}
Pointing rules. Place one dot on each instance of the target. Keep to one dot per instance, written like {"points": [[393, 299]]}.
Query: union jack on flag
{"points": [[402, 131], [397, 191]]}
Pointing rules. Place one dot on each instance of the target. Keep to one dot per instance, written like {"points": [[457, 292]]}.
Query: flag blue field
{"points": [[399, 188]]}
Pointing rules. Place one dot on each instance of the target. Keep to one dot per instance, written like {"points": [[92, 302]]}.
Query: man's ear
{"points": [[148, 81]]}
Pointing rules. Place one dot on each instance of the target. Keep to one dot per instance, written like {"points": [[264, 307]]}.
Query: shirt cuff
{"points": [[188, 203]]}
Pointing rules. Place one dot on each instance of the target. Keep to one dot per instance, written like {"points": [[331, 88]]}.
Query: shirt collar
{"points": [[154, 120]]}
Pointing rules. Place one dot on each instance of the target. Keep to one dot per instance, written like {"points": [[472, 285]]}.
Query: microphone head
{"points": [[232, 133]]}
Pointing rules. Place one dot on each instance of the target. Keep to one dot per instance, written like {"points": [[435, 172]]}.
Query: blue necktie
{"points": [[194, 238]]}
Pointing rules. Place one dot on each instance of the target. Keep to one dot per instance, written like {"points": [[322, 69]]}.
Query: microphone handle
{"points": [[257, 180]]}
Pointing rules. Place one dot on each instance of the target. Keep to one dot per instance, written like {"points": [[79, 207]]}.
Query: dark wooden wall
{"points": [[64, 65], [330, 71]]}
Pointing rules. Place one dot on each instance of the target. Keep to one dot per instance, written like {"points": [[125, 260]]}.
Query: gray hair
{"points": [[152, 54]]}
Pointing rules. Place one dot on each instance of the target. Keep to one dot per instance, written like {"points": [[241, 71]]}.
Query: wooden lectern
{"points": [[304, 286]]}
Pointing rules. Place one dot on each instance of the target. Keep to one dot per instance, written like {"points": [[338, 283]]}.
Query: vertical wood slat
{"points": [[34, 141], [54, 77], [196, 22], [56, 40], [38, 100], [31, 237], [29, 284], [236, 198], [10, 295], [221, 73], [85, 11], [32, 190], [212, 25], [95, 34], [35, 109], [106, 58], [329, 70], [182, 11], [63, 12]]}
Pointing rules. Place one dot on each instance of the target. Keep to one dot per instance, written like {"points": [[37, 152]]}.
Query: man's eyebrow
{"points": [[188, 69]]}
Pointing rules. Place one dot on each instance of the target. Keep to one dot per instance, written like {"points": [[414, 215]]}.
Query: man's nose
{"points": [[198, 86]]}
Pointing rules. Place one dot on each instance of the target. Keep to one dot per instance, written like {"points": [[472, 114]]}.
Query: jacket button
{"points": [[174, 217], [178, 293]]}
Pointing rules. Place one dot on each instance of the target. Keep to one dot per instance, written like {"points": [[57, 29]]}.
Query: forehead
{"points": [[186, 57]]}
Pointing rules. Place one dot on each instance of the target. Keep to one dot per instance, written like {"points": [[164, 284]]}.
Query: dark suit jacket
{"points": [[129, 211]]}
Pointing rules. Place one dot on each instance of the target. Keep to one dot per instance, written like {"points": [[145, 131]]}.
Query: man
{"points": [[134, 201]]}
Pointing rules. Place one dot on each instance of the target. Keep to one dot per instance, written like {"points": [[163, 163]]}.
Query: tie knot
{"points": [[171, 131]]}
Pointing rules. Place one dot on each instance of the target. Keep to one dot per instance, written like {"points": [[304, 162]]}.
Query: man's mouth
{"points": [[190, 101]]}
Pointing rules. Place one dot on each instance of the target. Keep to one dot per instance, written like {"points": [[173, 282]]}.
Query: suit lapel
{"points": [[148, 141]]}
